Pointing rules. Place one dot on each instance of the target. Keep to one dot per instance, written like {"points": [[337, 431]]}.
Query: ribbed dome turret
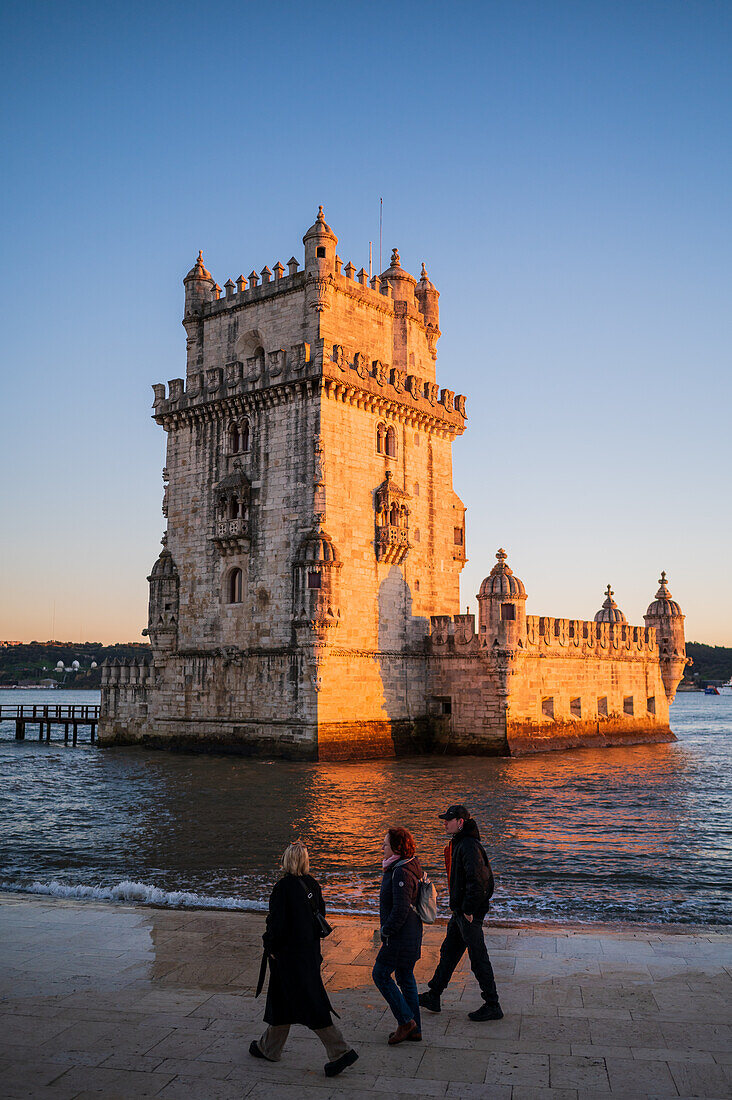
{"points": [[609, 612], [501, 583], [320, 228], [316, 547], [663, 606], [198, 271], [164, 566]]}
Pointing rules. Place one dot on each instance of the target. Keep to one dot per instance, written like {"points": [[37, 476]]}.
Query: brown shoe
{"points": [[404, 1031]]}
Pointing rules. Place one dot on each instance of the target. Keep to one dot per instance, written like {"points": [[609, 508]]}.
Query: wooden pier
{"points": [[71, 717]]}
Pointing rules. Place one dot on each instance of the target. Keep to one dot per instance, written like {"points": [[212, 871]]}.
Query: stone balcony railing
{"points": [[230, 534], [392, 544]]}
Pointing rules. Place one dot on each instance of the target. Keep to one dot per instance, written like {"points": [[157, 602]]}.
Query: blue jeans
{"points": [[400, 995]]}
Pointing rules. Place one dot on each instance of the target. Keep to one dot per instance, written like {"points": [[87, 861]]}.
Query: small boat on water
{"points": [[725, 689], [711, 691]]}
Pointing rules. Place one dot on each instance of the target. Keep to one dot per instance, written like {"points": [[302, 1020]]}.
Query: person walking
{"points": [[296, 994], [470, 880], [401, 935]]}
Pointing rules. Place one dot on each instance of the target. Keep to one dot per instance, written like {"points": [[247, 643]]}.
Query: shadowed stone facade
{"points": [[306, 600]]}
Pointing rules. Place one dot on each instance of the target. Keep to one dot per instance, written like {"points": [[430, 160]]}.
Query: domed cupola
{"points": [[316, 548], [198, 284], [501, 584], [501, 605], [402, 283], [609, 612], [665, 616], [663, 606], [315, 569]]}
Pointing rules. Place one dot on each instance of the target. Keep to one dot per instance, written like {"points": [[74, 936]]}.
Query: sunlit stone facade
{"points": [[306, 600]]}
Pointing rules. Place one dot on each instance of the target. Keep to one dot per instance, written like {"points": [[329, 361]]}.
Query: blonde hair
{"points": [[296, 860]]}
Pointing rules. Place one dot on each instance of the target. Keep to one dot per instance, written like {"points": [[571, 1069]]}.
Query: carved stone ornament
{"points": [[432, 339], [320, 289], [213, 379], [319, 465], [460, 403], [254, 368], [361, 364], [381, 372], [415, 386], [398, 379], [276, 362], [233, 374], [194, 384], [432, 392], [448, 400], [340, 356], [299, 356]]}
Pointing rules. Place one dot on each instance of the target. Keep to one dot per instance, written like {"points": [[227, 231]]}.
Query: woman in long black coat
{"points": [[401, 935], [296, 994]]}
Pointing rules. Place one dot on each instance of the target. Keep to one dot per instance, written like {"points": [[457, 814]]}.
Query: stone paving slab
{"points": [[117, 1001]]}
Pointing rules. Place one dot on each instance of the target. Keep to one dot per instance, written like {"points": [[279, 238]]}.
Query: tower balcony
{"points": [[231, 536], [392, 544]]}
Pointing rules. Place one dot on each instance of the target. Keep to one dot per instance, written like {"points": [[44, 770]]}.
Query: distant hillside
{"points": [[34, 661], [712, 663]]}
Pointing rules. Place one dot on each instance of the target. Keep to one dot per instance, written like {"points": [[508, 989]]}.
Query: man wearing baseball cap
{"points": [[471, 886]]}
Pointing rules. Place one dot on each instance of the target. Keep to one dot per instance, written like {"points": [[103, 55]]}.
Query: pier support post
{"points": [[76, 732], [19, 729]]}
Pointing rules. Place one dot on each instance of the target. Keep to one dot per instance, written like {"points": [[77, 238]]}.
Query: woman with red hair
{"points": [[401, 935]]}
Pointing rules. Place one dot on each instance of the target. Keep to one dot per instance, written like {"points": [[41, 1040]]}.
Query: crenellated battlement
{"points": [[128, 671], [376, 290], [343, 371], [566, 637], [589, 637]]}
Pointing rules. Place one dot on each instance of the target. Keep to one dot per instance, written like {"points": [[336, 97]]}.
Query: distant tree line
{"points": [[35, 661], [712, 664]]}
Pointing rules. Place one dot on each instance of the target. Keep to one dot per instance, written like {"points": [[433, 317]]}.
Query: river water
{"points": [[642, 833]]}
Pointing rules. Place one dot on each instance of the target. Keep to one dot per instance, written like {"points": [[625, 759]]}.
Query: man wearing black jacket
{"points": [[471, 885]]}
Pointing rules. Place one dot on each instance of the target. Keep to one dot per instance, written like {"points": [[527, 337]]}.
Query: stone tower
{"points": [[312, 527]]}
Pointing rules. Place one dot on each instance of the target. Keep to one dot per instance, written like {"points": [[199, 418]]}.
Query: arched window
{"points": [[233, 508], [234, 439], [234, 587], [394, 515], [403, 513], [244, 441], [380, 438], [391, 442]]}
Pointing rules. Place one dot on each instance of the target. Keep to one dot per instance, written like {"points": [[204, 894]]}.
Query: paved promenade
{"points": [[114, 1001]]}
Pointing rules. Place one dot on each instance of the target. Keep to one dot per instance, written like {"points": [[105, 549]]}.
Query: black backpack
{"points": [[491, 880]]}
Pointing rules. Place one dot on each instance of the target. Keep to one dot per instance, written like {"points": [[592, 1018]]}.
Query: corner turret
{"points": [[320, 247], [665, 615], [501, 607], [163, 608], [198, 285], [428, 300]]}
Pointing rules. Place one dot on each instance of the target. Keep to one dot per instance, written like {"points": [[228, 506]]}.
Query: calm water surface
{"points": [[640, 833]]}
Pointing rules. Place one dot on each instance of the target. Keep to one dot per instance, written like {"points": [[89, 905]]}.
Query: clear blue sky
{"points": [[563, 168]]}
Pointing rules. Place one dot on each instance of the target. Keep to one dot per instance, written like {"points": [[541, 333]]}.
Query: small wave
{"points": [[141, 893]]}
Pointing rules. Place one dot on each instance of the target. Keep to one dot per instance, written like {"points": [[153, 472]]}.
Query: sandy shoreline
{"points": [[123, 1000]]}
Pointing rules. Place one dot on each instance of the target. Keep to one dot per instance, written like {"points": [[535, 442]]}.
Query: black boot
{"points": [[430, 1000], [332, 1069], [486, 1012]]}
